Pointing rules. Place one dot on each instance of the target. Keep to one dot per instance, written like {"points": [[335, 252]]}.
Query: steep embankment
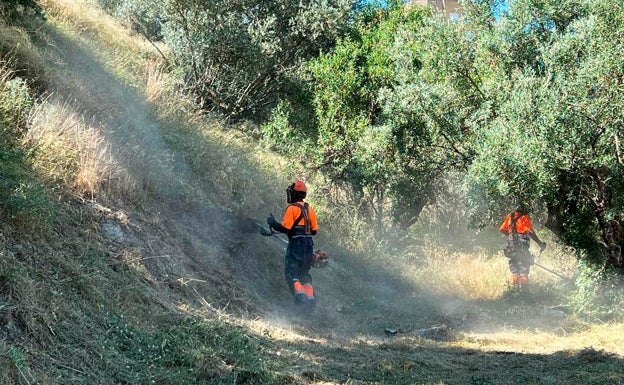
{"points": [[161, 277], [184, 216]]}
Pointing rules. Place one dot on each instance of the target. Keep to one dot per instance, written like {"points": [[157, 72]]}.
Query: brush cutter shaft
{"points": [[550, 271]]}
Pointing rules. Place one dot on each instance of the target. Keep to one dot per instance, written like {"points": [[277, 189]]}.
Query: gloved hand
{"points": [[271, 221]]}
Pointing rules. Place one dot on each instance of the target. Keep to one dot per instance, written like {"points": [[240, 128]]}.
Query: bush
{"points": [[15, 103], [18, 54], [23, 198], [16, 10], [281, 133], [600, 293]]}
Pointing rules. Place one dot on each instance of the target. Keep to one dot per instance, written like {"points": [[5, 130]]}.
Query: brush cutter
{"points": [[268, 233], [320, 258], [549, 270]]}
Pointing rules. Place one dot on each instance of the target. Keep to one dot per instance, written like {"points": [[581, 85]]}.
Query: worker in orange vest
{"points": [[519, 230], [299, 222]]}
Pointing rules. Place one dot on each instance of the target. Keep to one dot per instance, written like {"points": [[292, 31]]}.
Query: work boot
{"points": [[309, 291], [301, 299], [297, 288]]}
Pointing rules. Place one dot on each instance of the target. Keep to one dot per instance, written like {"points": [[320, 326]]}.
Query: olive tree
{"points": [[360, 142], [555, 134], [239, 57]]}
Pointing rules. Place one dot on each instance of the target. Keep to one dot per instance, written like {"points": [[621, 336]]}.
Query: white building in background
{"points": [[451, 8]]}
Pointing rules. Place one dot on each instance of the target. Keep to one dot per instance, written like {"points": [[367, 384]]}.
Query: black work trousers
{"points": [[297, 261]]}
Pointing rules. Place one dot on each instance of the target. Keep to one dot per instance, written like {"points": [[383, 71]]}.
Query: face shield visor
{"points": [[293, 195], [290, 193]]}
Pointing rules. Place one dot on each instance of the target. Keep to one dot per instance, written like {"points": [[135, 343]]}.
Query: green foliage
{"points": [[240, 56], [111, 5], [13, 364], [553, 136], [191, 349], [363, 137], [141, 15], [15, 11], [15, 104], [19, 54], [599, 293], [17, 359], [23, 199], [283, 132], [528, 109]]}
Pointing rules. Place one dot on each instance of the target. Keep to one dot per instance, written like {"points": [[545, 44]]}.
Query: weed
{"points": [[15, 104], [599, 294], [17, 359], [20, 55]]}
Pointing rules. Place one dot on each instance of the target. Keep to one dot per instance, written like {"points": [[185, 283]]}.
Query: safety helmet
{"points": [[296, 191]]}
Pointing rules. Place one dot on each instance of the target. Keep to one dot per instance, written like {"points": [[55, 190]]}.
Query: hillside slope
{"points": [[152, 271]]}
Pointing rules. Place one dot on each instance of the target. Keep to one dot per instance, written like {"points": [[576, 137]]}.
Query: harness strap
{"points": [[513, 221], [306, 223], [516, 238]]}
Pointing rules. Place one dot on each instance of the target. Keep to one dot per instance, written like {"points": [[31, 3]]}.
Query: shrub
{"points": [[16, 10], [22, 195], [19, 54], [599, 295]]}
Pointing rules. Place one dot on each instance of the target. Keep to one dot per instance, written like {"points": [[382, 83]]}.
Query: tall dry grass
{"points": [[231, 164], [122, 49], [172, 135], [71, 151], [470, 276], [482, 274]]}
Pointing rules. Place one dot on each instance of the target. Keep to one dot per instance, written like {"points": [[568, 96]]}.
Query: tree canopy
{"points": [[239, 57], [526, 109], [403, 106]]}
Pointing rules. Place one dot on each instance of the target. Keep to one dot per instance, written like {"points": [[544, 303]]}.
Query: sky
{"points": [[502, 6]]}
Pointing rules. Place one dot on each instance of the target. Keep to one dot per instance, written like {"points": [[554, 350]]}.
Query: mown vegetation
{"points": [[132, 161]]}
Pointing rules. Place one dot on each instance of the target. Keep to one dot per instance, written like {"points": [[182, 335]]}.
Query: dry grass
{"points": [[607, 337], [120, 48], [469, 276], [206, 145], [480, 274], [159, 88], [69, 150], [167, 139], [97, 309]]}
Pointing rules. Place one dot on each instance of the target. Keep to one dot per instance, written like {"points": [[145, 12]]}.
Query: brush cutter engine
{"points": [[319, 259]]}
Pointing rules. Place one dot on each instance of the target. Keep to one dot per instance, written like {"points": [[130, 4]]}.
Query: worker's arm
{"points": [[534, 237], [313, 220], [276, 225]]}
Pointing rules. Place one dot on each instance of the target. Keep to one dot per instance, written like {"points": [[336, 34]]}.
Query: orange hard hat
{"points": [[299, 185]]}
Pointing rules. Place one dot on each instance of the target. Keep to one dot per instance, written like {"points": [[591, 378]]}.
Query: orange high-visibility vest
{"points": [[293, 211], [523, 223]]}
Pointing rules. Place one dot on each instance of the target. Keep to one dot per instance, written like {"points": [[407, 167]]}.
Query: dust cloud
{"points": [[419, 286]]}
